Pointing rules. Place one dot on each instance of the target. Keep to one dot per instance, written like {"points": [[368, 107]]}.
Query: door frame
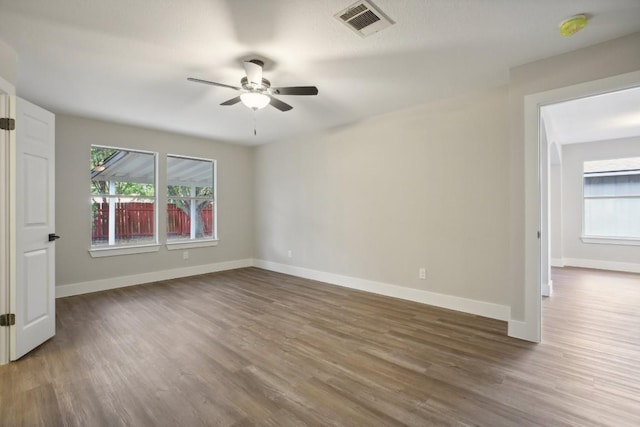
{"points": [[6, 88], [536, 184]]}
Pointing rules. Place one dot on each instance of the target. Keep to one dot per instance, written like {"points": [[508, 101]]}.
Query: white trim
{"points": [[5, 209], [626, 241], [216, 220], [627, 267], [127, 250], [557, 262], [519, 329], [187, 157], [188, 244], [547, 288], [155, 276], [134, 150], [480, 308]]}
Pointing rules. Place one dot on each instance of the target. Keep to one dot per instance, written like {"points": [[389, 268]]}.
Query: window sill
{"points": [[187, 244], [123, 250], [625, 241]]}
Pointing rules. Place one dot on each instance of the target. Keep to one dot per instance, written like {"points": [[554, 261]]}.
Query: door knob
{"points": [[53, 237]]}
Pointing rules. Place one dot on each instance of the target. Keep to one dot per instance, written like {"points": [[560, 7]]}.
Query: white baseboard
{"points": [[603, 265], [480, 308], [557, 262], [546, 288], [155, 276]]}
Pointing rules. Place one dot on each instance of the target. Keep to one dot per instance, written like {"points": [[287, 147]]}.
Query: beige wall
{"points": [[592, 63], [556, 215], [377, 200], [8, 63], [573, 158], [74, 136]]}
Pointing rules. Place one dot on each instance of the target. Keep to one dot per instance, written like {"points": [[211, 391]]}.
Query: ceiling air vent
{"points": [[363, 18]]}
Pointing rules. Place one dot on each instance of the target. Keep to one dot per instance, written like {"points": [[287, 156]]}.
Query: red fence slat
{"points": [[136, 220]]}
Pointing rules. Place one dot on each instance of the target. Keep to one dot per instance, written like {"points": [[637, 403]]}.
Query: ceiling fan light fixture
{"points": [[255, 100]]}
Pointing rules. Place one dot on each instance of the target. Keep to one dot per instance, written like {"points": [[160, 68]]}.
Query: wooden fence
{"points": [[135, 220]]}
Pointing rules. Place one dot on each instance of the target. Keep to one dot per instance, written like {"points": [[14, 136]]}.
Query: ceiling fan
{"points": [[257, 92]]}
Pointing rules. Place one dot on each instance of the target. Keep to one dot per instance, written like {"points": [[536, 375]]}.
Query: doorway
{"points": [[594, 191], [537, 186]]}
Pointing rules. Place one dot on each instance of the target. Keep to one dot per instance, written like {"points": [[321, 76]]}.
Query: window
{"points": [[612, 199], [190, 199], [123, 198]]}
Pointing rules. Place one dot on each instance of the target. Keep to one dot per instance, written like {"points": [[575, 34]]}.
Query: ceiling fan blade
{"points": [[232, 101], [282, 106], [191, 79], [295, 90], [253, 69]]}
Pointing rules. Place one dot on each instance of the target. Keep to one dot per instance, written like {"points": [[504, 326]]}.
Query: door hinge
{"points": [[7, 123], [7, 319]]}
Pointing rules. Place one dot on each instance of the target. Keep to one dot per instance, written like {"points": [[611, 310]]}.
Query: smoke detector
{"points": [[363, 18], [572, 25]]}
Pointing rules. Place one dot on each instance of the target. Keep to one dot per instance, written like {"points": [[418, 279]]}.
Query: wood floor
{"points": [[255, 348]]}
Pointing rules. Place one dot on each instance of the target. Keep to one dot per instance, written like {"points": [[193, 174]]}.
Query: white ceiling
{"points": [[612, 115], [127, 61]]}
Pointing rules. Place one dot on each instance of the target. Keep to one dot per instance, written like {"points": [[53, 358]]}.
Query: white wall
{"points": [[575, 252], [377, 200], [74, 266]]}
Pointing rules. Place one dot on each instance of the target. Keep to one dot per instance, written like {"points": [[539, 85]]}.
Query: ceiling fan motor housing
{"points": [[266, 84]]}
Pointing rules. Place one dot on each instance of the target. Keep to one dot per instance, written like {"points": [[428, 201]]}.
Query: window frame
{"points": [[129, 249], [599, 239], [178, 244]]}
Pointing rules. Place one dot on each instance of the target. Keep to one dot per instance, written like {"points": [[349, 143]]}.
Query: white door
{"points": [[32, 288]]}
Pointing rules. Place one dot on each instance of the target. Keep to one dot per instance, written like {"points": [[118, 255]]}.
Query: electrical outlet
{"points": [[422, 273], [290, 253], [185, 255]]}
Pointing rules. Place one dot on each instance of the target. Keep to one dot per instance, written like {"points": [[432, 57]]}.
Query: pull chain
{"points": [[255, 133]]}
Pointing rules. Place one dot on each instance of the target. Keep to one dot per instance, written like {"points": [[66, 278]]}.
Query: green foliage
{"points": [[100, 154]]}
